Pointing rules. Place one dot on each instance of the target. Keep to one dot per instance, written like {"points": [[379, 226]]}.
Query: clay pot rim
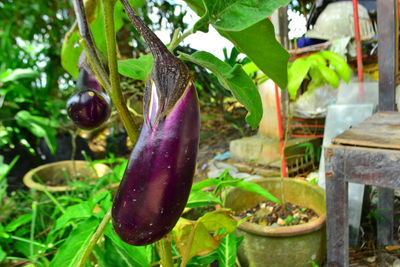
{"points": [[282, 231], [29, 181]]}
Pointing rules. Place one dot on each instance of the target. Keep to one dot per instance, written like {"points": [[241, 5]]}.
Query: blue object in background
{"points": [[303, 42]]}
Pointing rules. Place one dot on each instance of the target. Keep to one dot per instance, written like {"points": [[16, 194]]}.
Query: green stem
{"points": [[116, 94], [32, 233], [177, 39], [95, 237], [27, 241], [165, 252], [54, 200], [98, 70]]}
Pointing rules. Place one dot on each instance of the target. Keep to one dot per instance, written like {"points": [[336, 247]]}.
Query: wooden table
{"points": [[367, 154]]}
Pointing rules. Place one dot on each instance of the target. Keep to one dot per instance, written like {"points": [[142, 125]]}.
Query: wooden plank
{"points": [[337, 209], [387, 52], [378, 167], [382, 130]]}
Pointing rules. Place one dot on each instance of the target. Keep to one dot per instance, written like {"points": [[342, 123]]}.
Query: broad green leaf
{"points": [[330, 76], [217, 220], [250, 68], [72, 249], [197, 6], [40, 127], [296, 74], [203, 235], [259, 44], [233, 15], [79, 211], [134, 255], [339, 64], [136, 68], [205, 183], [234, 79], [16, 74], [199, 198], [316, 60], [227, 251], [21, 220], [116, 256], [256, 189], [317, 79], [2, 255]]}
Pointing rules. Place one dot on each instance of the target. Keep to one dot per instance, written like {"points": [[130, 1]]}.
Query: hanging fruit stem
{"points": [[116, 92]]}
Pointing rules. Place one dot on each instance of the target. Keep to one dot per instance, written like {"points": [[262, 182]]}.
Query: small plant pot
{"points": [[53, 177], [297, 245]]}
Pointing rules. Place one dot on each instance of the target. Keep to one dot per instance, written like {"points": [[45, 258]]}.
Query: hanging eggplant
{"points": [[90, 106], [156, 184]]}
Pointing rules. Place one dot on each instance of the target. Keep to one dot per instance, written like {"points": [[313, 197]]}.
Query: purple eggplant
{"points": [[89, 108], [87, 80], [156, 184]]}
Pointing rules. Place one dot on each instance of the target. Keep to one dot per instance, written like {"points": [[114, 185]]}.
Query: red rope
{"points": [[360, 73]]}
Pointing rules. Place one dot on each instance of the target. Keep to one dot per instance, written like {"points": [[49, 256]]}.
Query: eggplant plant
{"points": [[320, 68], [157, 181]]}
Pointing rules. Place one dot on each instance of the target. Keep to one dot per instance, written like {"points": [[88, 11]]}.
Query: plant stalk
{"points": [[97, 66], [95, 237], [116, 94], [165, 252], [33, 224]]}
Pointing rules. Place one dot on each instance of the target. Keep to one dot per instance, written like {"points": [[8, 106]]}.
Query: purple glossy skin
{"points": [[157, 181], [87, 81], [89, 108]]}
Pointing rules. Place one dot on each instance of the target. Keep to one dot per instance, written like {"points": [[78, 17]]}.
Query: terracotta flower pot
{"points": [[53, 176], [296, 245]]}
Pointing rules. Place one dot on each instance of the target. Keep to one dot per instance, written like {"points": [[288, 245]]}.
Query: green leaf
{"points": [[4, 168], [3, 255], [117, 257], [330, 76], [136, 68], [205, 183], [16, 74], [40, 127], [257, 189], [21, 220], [259, 44], [205, 234], [79, 211], [227, 251], [199, 198], [233, 15], [317, 79], [234, 79], [3, 233], [339, 64], [296, 74], [72, 249], [134, 255]]}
